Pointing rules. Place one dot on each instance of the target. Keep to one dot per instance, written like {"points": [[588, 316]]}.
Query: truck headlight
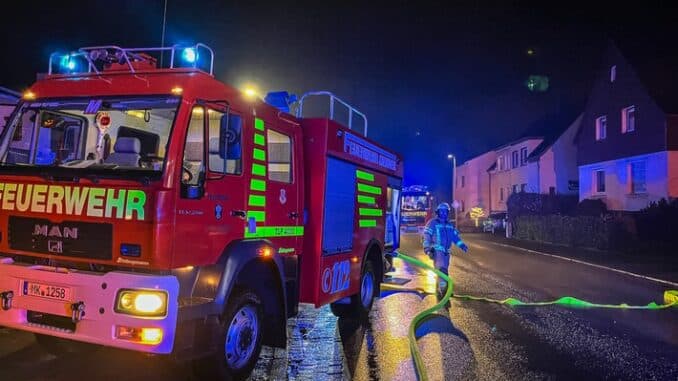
{"points": [[141, 302]]}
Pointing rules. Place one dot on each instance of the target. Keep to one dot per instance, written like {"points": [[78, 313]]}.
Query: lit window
{"points": [[600, 181], [523, 156], [279, 156], [613, 73], [638, 184], [601, 127], [628, 119]]}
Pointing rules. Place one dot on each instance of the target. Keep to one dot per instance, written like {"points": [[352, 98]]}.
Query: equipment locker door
{"points": [[276, 174]]}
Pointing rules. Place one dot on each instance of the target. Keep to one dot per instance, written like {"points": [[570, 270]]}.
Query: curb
{"points": [[674, 284]]}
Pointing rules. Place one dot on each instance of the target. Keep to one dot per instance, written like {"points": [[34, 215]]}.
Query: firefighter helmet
{"points": [[443, 205]]}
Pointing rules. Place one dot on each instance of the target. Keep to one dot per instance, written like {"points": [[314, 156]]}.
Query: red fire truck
{"points": [[417, 207], [159, 210]]}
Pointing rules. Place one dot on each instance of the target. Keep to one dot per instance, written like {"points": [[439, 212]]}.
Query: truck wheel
{"points": [[239, 341], [59, 347], [361, 303]]}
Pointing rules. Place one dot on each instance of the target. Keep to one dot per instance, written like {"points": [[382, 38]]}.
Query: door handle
{"points": [[293, 215], [238, 213]]}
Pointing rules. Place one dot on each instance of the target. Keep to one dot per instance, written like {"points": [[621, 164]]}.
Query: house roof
{"points": [[655, 64], [552, 126]]}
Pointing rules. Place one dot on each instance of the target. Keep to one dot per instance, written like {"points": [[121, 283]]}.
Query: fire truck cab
{"points": [[159, 210], [417, 207]]}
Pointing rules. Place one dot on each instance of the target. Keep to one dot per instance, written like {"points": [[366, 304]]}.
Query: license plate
{"points": [[47, 291]]}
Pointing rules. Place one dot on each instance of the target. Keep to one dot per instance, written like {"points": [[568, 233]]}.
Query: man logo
{"points": [[55, 231]]}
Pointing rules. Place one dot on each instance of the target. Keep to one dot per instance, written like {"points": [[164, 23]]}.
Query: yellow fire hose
{"points": [[670, 300]]}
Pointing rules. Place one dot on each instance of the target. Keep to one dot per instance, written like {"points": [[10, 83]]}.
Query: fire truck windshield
{"points": [[106, 134]]}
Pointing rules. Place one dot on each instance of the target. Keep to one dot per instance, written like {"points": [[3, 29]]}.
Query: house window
{"points": [[552, 191], [523, 188], [628, 119], [279, 156], [500, 163], [462, 205], [523, 156], [613, 73], [638, 184], [514, 159], [501, 194], [601, 127], [463, 182], [515, 188], [600, 181]]}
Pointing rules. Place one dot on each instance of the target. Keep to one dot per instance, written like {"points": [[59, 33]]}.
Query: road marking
{"points": [[590, 264]]}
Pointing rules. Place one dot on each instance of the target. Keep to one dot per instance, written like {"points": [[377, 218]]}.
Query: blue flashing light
{"points": [[189, 55], [68, 63]]}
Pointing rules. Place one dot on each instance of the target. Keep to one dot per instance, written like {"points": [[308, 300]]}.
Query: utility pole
{"points": [[454, 184]]}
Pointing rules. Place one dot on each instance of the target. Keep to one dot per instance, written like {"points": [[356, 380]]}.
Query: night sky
{"points": [[432, 78]]}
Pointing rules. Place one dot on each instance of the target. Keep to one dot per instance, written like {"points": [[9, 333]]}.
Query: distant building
{"points": [[473, 183], [8, 100], [511, 173], [627, 145], [545, 162]]}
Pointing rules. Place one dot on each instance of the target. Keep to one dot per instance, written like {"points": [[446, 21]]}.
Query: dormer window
{"points": [[613, 73]]}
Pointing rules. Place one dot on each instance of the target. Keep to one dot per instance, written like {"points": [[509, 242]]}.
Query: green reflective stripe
{"points": [[259, 154], [259, 124], [259, 139], [275, 231], [258, 185], [369, 189], [258, 169], [257, 215], [366, 200], [364, 175], [371, 212], [255, 200], [367, 223]]}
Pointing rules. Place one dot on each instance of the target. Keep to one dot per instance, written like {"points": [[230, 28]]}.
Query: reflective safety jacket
{"points": [[441, 235]]}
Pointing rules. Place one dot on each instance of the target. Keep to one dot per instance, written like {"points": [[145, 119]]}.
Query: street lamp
{"points": [[454, 182]]}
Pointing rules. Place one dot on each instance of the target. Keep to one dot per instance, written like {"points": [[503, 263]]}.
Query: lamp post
{"points": [[454, 182]]}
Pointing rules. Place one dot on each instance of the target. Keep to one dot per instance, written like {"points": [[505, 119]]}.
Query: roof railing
{"points": [[333, 100], [110, 54]]}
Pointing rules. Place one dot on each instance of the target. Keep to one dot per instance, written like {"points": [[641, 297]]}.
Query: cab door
{"points": [[225, 185], [210, 206]]}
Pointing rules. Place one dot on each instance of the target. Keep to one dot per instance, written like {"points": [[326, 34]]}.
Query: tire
{"points": [[59, 347], [239, 343], [361, 303]]}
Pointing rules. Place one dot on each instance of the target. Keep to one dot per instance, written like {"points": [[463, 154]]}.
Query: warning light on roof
{"points": [[68, 63], [189, 55], [176, 90], [29, 95]]}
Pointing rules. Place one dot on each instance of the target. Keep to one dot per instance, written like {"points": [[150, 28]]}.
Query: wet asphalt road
{"points": [[473, 340]]}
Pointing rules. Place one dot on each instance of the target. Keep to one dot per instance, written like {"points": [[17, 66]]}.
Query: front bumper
{"points": [[96, 293]]}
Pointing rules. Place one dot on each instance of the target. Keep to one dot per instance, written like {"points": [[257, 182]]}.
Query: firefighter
{"points": [[439, 236]]}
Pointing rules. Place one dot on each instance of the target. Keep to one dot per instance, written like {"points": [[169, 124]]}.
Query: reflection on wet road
{"points": [[470, 341]]}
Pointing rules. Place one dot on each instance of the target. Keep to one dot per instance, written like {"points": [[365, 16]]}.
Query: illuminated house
{"points": [[473, 183], [627, 145], [543, 161], [8, 100]]}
